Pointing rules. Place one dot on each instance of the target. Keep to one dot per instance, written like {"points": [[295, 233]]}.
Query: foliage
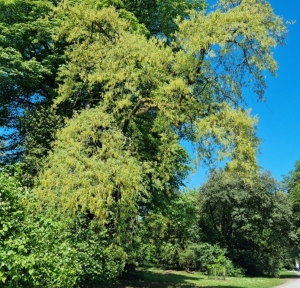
{"points": [[201, 257], [253, 222], [132, 89], [165, 233], [99, 94], [32, 254], [39, 128], [100, 260], [159, 16], [38, 251], [30, 60], [28, 64], [292, 184], [93, 172], [187, 85], [182, 84]]}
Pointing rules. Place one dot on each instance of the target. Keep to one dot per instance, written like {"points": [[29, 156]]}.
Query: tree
{"points": [[136, 94], [253, 222], [196, 70], [191, 86], [106, 90], [292, 184], [28, 64]]}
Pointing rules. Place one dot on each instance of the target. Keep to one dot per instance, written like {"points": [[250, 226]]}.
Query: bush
{"points": [[38, 251], [31, 253], [200, 256], [99, 261], [204, 256]]}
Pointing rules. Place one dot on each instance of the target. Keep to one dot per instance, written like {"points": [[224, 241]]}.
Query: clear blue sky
{"points": [[279, 117]]}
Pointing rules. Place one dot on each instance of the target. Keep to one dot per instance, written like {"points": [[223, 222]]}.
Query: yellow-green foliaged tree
{"points": [[139, 93]]}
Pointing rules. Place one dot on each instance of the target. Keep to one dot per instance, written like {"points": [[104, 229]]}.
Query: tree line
{"points": [[96, 97]]}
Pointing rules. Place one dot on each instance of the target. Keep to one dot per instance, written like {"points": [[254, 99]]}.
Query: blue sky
{"points": [[279, 117]]}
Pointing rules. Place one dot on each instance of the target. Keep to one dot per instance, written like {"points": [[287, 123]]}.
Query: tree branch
{"points": [[138, 111]]}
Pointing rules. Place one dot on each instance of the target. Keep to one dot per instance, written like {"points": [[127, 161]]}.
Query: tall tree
{"points": [[139, 94], [130, 97], [202, 66]]}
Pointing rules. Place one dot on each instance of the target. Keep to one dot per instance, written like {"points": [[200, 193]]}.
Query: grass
{"points": [[174, 279], [288, 274]]}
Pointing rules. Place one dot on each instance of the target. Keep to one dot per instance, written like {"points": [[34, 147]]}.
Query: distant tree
{"points": [[252, 221], [292, 184]]}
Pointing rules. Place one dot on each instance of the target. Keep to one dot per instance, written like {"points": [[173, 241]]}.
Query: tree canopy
{"points": [[193, 86], [96, 97], [140, 94], [190, 74], [253, 222]]}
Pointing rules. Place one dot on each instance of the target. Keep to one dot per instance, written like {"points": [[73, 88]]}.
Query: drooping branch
{"points": [[198, 67]]}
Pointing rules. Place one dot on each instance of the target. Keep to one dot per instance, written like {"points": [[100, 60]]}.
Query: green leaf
{"points": [[5, 228]]}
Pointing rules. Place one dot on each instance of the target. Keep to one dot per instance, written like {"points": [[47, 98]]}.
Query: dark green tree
{"points": [[252, 221], [159, 16], [292, 185], [29, 60], [166, 233]]}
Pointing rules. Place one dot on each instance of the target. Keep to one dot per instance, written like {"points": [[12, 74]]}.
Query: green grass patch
{"points": [[174, 279], [288, 274]]}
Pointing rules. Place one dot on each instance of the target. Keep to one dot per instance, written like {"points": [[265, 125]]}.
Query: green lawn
{"points": [[288, 274], [174, 279]]}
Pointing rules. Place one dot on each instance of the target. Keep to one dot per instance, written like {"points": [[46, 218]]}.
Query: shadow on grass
{"points": [[143, 284], [289, 275], [150, 279]]}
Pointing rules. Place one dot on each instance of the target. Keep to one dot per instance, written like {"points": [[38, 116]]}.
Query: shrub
{"points": [[40, 251], [31, 253], [205, 256], [200, 256]]}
